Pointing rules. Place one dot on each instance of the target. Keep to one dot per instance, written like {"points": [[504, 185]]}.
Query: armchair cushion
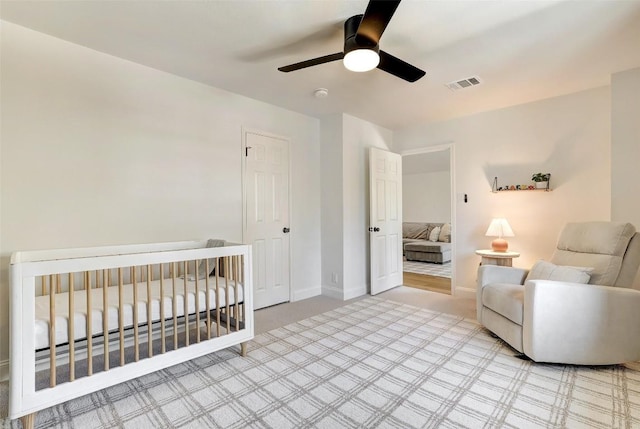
{"points": [[505, 299], [600, 245], [543, 270]]}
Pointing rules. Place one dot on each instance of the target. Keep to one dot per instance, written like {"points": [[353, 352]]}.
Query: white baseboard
{"points": [[299, 295], [355, 292], [333, 292], [4, 370], [344, 295], [465, 292]]}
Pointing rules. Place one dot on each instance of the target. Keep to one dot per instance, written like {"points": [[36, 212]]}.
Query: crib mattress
{"points": [[42, 307]]}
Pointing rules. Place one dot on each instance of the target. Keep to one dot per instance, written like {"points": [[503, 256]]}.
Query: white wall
{"points": [[97, 150], [426, 197], [625, 146], [625, 149], [332, 209], [568, 136]]}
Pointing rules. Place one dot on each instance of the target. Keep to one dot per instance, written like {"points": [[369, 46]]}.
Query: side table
{"points": [[489, 257]]}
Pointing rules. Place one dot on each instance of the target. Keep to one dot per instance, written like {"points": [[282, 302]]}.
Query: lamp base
{"points": [[499, 245]]}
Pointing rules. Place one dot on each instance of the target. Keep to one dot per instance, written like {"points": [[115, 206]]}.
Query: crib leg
{"points": [[28, 421], [243, 349]]}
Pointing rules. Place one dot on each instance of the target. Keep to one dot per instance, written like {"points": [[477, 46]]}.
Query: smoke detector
{"points": [[464, 83], [321, 93]]}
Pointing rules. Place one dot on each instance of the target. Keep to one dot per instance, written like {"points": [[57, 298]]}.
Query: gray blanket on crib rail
{"points": [[202, 268]]}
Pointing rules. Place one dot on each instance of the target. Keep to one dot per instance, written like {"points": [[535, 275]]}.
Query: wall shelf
{"points": [[519, 188]]}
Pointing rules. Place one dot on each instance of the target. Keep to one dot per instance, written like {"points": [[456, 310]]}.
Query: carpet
{"points": [[372, 363], [428, 268]]}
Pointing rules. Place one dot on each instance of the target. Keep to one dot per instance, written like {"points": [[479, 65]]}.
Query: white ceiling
{"points": [[523, 50]]}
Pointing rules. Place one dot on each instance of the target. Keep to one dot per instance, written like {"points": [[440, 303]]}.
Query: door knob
{"points": [[285, 230], [376, 229]]}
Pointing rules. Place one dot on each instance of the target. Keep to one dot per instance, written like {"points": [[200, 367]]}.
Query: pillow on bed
{"points": [[543, 270], [434, 234]]}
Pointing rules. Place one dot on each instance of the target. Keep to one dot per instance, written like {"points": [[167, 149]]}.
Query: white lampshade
{"points": [[499, 227], [361, 60]]}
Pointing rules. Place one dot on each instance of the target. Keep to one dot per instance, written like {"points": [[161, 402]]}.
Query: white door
{"points": [[266, 215], [385, 219]]}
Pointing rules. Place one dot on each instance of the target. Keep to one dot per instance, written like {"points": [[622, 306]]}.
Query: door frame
{"points": [[245, 131], [452, 176]]}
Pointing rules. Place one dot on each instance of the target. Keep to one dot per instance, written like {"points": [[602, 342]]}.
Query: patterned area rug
{"points": [[431, 269], [373, 363]]}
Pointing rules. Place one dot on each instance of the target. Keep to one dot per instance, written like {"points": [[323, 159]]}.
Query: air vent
{"points": [[464, 83]]}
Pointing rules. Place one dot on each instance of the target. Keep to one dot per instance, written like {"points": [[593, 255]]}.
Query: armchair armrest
{"points": [[580, 323], [499, 274], [488, 274]]}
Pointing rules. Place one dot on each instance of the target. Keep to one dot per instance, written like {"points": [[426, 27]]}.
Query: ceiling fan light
{"points": [[361, 60]]}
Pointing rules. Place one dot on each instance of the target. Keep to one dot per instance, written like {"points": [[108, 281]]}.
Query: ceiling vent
{"points": [[464, 83]]}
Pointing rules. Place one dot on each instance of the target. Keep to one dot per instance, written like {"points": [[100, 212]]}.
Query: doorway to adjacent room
{"points": [[428, 198]]}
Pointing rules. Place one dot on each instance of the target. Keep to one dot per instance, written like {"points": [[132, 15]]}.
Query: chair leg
{"points": [[243, 349]]}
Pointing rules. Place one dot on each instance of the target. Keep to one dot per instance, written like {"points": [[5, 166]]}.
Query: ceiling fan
{"points": [[361, 45]]}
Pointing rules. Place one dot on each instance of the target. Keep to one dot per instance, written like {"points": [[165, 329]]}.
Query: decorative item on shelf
{"points": [[542, 180], [499, 227], [539, 186]]}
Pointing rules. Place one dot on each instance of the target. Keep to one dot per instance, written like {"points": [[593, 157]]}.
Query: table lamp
{"points": [[499, 227]]}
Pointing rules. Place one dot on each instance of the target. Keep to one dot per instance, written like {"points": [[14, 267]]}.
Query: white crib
{"points": [[135, 309]]}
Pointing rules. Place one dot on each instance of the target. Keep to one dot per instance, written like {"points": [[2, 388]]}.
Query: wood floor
{"points": [[425, 282]]}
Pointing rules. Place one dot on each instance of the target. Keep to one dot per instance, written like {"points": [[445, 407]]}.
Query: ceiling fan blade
{"points": [[375, 19], [399, 68], [312, 62], [332, 33]]}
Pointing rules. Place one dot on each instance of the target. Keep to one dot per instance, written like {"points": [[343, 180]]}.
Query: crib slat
{"points": [[207, 300], [218, 309], [149, 314], [87, 286], [197, 303], [70, 325], [235, 291], [242, 308], [175, 307], [52, 332], [105, 319], [226, 292], [136, 352], [186, 305], [163, 342], [121, 315]]}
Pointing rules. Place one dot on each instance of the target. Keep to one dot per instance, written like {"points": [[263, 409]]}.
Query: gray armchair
{"points": [[561, 319]]}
